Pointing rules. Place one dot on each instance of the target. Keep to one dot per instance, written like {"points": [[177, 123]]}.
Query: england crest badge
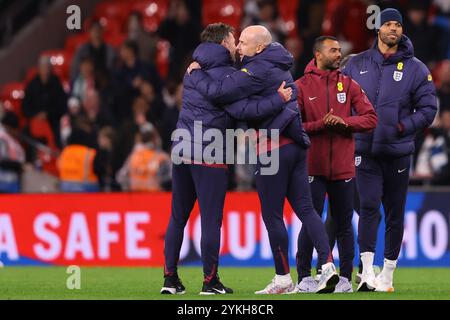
{"points": [[310, 179], [398, 75], [357, 161], [341, 97]]}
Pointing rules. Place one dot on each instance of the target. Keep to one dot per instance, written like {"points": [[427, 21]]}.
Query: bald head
{"points": [[253, 40], [259, 34]]}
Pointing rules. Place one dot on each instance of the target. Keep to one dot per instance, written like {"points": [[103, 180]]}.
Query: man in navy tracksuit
{"points": [[264, 65], [198, 178], [401, 89], [333, 106]]}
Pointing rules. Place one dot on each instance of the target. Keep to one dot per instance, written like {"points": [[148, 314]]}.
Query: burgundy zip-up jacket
{"points": [[332, 150]]}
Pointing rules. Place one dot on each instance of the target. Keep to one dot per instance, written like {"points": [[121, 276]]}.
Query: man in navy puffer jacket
{"points": [[264, 65], [206, 179], [401, 89]]}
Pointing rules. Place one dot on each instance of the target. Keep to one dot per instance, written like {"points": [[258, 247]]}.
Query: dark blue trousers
{"points": [[209, 186], [290, 182], [382, 180], [340, 198]]}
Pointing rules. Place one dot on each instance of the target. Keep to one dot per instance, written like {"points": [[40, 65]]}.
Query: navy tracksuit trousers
{"points": [[290, 182], [340, 198], [330, 225], [208, 185], [382, 180]]}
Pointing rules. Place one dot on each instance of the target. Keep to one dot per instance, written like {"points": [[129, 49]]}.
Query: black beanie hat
{"points": [[390, 14]]}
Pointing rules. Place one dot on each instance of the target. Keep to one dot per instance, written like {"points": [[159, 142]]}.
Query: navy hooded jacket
{"points": [[217, 64], [401, 89], [261, 74]]}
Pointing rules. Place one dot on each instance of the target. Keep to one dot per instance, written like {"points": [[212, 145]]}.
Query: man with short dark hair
{"points": [[265, 63], [216, 33], [197, 178], [333, 106], [401, 89]]}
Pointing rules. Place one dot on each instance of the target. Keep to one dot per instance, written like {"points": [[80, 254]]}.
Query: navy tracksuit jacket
{"points": [[401, 89], [207, 183], [262, 74]]}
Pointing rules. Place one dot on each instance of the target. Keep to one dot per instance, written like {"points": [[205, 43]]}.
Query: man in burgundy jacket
{"points": [[333, 106]]}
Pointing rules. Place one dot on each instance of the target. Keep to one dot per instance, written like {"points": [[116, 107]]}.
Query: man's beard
{"points": [[390, 43], [332, 65]]}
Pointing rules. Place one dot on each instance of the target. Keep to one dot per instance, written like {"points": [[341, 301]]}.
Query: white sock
{"points": [[283, 279], [367, 262], [388, 269]]}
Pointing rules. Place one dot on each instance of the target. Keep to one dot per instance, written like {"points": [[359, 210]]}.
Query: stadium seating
{"points": [[117, 10], [153, 12], [226, 11], [288, 11], [76, 40], [13, 91], [41, 131], [11, 96], [162, 57], [111, 26], [60, 60], [31, 73], [115, 39]]}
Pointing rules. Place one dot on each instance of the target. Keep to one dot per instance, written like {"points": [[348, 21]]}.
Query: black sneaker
{"points": [[173, 285], [215, 287]]}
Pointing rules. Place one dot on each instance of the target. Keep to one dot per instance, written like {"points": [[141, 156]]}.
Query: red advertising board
{"points": [[128, 230], [107, 229]]}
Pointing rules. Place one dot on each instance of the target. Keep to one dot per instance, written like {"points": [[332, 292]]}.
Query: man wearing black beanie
{"points": [[401, 89]]}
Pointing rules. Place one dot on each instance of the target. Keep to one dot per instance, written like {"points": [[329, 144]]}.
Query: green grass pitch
{"points": [[145, 283]]}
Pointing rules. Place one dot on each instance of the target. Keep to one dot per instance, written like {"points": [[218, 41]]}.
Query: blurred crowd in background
{"points": [[98, 114]]}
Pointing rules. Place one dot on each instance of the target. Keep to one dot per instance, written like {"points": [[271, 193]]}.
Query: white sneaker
{"points": [[376, 270], [278, 287], [307, 285], [328, 279], [368, 282], [343, 286], [383, 284]]}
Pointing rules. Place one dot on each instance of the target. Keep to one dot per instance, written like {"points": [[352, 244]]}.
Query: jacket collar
{"points": [[405, 51], [312, 68], [275, 54], [211, 55]]}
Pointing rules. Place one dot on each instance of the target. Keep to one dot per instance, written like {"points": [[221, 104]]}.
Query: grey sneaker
{"points": [[307, 285], [343, 286]]}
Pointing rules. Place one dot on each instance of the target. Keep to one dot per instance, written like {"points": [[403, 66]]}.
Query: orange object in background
{"points": [[144, 167], [76, 164]]}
